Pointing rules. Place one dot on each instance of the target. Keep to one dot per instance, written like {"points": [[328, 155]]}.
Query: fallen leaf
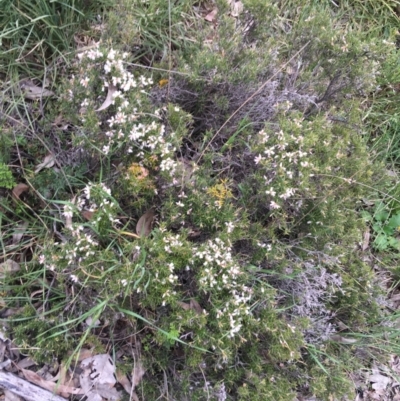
{"points": [[19, 189], [57, 388], [104, 392], [145, 223], [366, 238], [19, 233], [33, 92], [236, 8], [85, 353], [101, 369], [211, 16], [342, 340], [137, 373], [193, 305], [87, 215], [109, 99], [183, 305], [48, 162], [124, 381], [97, 378], [8, 267], [379, 382]]}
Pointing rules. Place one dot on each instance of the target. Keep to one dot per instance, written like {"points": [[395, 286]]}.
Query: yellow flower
{"points": [[221, 192]]}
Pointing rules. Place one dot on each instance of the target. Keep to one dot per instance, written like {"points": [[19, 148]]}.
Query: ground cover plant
{"points": [[207, 194]]}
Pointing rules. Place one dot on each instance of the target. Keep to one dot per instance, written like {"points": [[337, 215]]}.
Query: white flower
{"points": [[68, 213], [229, 227], [111, 54], [74, 278], [269, 152], [84, 82], [85, 103], [257, 159], [274, 205], [120, 118], [270, 192], [106, 149], [288, 193]]}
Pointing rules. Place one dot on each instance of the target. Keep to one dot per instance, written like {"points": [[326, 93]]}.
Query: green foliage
{"points": [[46, 28], [385, 225], [6, 177], [38, 336]]}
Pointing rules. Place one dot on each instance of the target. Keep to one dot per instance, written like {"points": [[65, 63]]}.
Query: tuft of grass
{"points": [[37, 35]]}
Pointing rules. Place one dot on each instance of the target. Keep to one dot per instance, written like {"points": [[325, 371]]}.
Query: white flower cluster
{"points": [[71, 254], [105, 206], [283, 161], [129, 128], [220, 272], [171, 280], [172, 242]]}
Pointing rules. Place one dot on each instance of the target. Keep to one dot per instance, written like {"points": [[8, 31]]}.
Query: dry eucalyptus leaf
{"points": [[26, 363], [212, 15], [105, 392], [32, 91], [366, 238], [84, 353], [342, 340], [87, 214], [137, 374], [145, 223], [379, 382], [183, 305], [98, 378], [34, 378], [236, 8], [101, 369], [124, 381], [19, 189], [8, 267], [194, 305], [48, 162], [109, 99]]}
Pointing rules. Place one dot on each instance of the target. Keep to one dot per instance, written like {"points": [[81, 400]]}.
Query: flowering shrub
{"points": [[209, 274], [228, 253]]}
